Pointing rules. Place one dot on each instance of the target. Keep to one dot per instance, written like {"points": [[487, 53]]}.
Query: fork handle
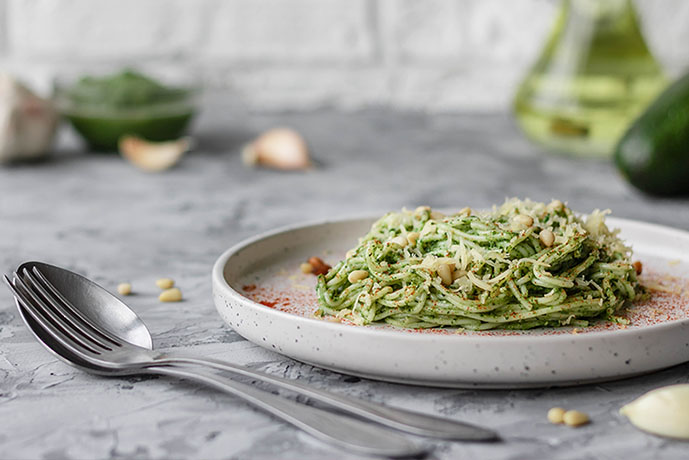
{"points": [[409, 421], [355, 435]]}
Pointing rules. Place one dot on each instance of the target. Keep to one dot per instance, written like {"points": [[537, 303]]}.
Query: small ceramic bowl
{"points": [[102, 107]]}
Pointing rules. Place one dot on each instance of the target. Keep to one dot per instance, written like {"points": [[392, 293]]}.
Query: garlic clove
{"points": [[153, 156], [27, 122], [280, 148], [663, 411]]}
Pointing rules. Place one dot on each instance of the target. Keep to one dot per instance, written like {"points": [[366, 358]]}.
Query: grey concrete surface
{"points": [[101, 217]]}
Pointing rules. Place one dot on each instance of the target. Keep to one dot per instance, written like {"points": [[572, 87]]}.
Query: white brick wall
{"points": [[3, 27], [289, 32], [101, 30], [436, 55]]}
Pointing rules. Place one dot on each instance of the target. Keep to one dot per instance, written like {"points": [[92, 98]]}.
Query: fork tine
{"points": [[65, 339], [54, 309], [69, 312], [35, 305]]}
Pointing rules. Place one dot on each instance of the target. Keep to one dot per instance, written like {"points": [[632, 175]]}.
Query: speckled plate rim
{"points": [[222, 291]]}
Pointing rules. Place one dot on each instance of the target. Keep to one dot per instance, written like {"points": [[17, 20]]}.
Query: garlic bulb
{"points": [[280, 148], [153, 156], [663, 411], [27, 122]]}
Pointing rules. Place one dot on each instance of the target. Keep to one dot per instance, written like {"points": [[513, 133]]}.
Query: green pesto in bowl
{"points": [[103, 109]]}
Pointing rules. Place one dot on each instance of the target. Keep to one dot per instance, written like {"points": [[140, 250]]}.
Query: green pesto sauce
{"points": [[102, 109]]}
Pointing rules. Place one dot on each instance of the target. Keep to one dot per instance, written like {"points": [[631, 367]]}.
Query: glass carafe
{"points": [[594, 76]]}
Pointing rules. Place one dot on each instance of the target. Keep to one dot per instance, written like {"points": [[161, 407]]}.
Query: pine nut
{"points": [[556, 414], [458, 274], [521, 222], [524, 220], [412, 237], [399, 241], [464, 212], [421, 211], [170, 295], [124, 288], [445, 273], [547, 237], [165, 283], [555, 205], [575, 418], [306, 267], [435, 215], [357, 275]]}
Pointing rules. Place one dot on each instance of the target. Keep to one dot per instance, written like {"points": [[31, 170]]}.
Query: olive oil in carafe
{"points": [[593, 78]]}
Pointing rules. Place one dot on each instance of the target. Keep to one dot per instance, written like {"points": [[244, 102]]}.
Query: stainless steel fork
{"points": [[68, 333], [94, 339]]}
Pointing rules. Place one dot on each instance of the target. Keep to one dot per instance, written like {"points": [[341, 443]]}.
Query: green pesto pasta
{"points": [[518, 266]]}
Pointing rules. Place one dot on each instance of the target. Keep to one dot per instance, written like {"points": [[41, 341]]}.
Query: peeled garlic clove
{"points": [[27, 122], [280, 148], [664, 411], [153, 156]]}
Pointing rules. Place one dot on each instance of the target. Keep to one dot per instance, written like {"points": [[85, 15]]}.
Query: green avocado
{"points": [[653, 155]]}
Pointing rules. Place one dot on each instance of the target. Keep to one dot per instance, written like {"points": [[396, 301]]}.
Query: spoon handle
{"points": [[352, 434], [409, 421]]}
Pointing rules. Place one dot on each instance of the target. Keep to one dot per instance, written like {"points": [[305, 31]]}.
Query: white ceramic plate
{"points": [[260, 292]]}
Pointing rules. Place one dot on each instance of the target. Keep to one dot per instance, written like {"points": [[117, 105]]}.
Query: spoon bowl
{"points": [[101, 307]]}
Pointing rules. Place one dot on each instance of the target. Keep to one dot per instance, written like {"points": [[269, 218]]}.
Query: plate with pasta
{"points": [[524, 294]]}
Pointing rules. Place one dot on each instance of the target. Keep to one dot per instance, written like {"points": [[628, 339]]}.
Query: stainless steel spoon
{"points": [[50, 324], [122, 344], [92, 305]]}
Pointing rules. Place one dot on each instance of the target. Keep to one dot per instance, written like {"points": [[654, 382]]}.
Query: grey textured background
{"points": [[430, 55], [101, 217]]}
